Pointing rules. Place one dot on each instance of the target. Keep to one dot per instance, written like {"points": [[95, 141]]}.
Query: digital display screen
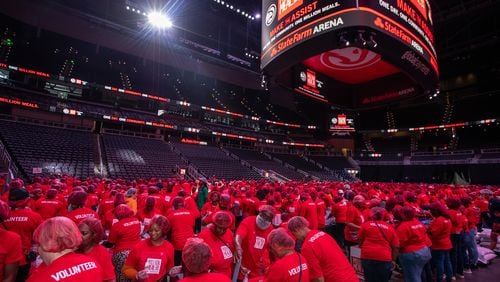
{"points": [[341, 123], [288, 23], [310, 83]]}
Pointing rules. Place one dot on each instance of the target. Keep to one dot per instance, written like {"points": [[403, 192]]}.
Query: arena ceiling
{"points": [[467, 32]]}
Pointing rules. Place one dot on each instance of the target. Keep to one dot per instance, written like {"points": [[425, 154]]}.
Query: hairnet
{"points": [[196, 256], [296, 223], [222, 219]]}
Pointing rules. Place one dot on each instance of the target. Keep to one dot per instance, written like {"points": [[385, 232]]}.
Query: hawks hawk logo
{"points": [[351, 58]]}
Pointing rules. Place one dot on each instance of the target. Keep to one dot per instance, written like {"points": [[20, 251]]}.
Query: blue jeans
{"points": [[442, 262], [376, 271], [457, 254], [470, 248], [413, 263]]}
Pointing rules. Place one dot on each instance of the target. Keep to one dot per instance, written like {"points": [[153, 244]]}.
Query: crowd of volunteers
{"points": [[61, 228]]}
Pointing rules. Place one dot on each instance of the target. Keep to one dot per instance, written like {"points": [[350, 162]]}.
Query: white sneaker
{"points": [[467, 271]]}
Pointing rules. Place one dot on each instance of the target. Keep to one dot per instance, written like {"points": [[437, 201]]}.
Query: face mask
{"points": [[262, 223]]}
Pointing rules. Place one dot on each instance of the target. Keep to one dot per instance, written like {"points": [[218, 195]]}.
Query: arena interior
{"points": [[271, 105]]}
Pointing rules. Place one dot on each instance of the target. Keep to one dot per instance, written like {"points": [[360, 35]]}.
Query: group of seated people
{"points": [[64, 229]]}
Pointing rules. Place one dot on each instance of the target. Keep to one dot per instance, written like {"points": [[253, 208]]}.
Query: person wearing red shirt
{"points": [[339, 212], [49, 206], [196, 256], [354, 219], [123, 236], [189, 203], [320, 210], [209, 208], [11, 252], [325, 259], [160, 202], [309, 210], [251, 242], [182, 223], [413, 245], [289, 265], [22, 221], [458, 224], [379, 245], [109, 218], [292, 205], [92, 198], [469, 237], [92, 234], [439, 231], [250, 205], [146, 213], [151, 259], [106, 204], [221, 242], [77, 211], [225, 205], [57, 237]]}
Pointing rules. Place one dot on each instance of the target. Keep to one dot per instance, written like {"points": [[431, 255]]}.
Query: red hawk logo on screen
{"points": [[286, 6], [351, 58], [342, 120], [311, 79]]}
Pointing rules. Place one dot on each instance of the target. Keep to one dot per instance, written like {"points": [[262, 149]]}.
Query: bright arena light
{"points": [[159, 20]]}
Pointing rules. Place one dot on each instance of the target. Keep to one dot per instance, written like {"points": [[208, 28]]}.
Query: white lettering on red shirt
{"points": [[70, 271], [296, 270], [316, 236], [17, 219]]}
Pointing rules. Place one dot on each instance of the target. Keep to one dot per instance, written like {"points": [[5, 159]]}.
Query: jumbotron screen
{"points": [[339, 38]]}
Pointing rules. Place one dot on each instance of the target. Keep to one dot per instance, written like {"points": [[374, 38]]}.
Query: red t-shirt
{"points": [[222, 250], [10, 250], [105, 206], [321, 210], [412, 236], [207, 211], [377, 241], [254, 244], [191, 205], [156, 260], [102, 256], [80, 214], [146, 216], [71, 267], [49, 208], [473, 216], [23, 222], [353, 215], [206, 277], [457, 221], [125, 234], [339, 211], [439, 233], [325, 258], [309, 211], [108, 220], [182, 223], [288, 268]]}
